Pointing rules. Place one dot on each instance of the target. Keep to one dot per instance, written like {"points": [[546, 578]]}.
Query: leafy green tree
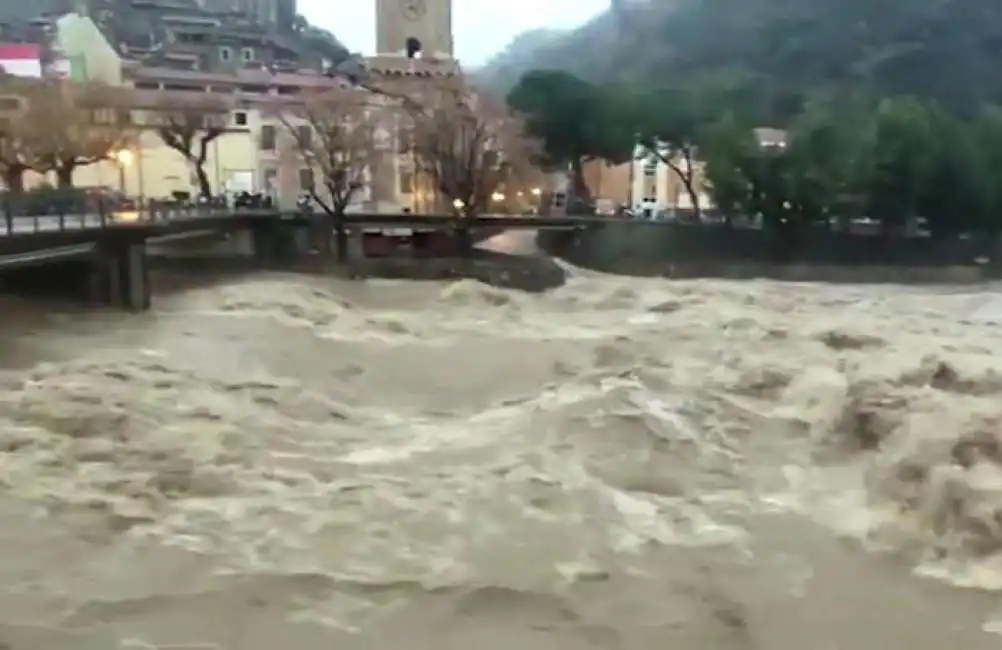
{"points": [[905, 163], [730, 153], [669, 124], [745, 178], [828, 145], [956, 192], [574, 120], [986, 131], [774, 177], [901, 158]]}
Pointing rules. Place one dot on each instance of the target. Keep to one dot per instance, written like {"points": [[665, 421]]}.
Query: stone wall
{"points": [[675, 250]]}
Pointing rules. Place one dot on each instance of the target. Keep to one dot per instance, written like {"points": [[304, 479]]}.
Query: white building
{"points": [[656, 188]]}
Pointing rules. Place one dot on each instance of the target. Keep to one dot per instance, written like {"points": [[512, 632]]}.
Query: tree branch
{"points": [[333, 133]]}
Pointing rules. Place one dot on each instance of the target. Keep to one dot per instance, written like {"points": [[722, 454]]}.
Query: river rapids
{"points": [[285, 461]]}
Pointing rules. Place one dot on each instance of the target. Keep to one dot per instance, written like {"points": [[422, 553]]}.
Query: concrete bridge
{"points": [[109, 252]]}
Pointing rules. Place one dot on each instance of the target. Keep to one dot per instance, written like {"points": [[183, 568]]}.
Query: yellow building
{"points": [[253, 154]]}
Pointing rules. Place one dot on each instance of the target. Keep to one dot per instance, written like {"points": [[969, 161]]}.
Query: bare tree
{"points": [[466, 145], [16, 156], [335, 135], [69, 125], [188, 123]]}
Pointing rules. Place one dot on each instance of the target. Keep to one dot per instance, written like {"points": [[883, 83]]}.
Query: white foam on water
{"points": [[345, 452]]}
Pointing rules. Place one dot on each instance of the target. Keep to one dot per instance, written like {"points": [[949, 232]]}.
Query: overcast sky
{"points": [[482, 27]]}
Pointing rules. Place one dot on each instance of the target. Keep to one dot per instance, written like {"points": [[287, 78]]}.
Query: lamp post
{"points": [[537, 193], [498, 198], [123, 158], [464, 242]]}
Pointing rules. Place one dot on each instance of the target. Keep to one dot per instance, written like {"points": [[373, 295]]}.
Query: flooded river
{"points": [[303, 462]]}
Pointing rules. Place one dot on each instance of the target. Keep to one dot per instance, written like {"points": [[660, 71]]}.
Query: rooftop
{"points": [[767, 136]]}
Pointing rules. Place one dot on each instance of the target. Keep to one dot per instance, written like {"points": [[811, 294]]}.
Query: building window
{"points": [[650, 189], [406, 181], [10, 103], [105, 116], [650, 167], [650, 179], [304, 137], [413, 48], [306, 179], [225, 54], [247, 54], [267, 137], [270, 184], [240, 118]]}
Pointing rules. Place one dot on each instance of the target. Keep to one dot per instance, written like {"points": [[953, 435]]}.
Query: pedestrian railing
{"points": [[98, 215]]}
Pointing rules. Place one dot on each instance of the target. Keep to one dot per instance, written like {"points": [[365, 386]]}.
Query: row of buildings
{"points": [[650, 187], [278, 14], [248, 52]]}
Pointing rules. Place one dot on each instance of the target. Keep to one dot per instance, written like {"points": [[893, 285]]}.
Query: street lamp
{"points": [[123, 156]]}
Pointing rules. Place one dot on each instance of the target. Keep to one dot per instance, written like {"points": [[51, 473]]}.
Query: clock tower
{"points": [[414, 28]]}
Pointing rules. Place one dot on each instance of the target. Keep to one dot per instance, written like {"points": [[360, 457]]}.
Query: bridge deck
{"points": [[25, 226]]}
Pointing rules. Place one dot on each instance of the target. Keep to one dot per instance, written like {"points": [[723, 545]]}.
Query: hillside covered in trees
{"points": [[888, 112], [782, 51]]}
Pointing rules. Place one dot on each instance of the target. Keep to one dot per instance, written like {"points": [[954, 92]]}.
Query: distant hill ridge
{"points": [[944, 51]]}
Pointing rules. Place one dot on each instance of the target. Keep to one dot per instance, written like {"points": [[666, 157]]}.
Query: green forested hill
{"points": [[946, 50]]}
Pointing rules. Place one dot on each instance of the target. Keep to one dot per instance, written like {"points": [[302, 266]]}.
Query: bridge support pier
{"points": [[98, 290], [136, 292], [264, 243], [120, 277], [276, 241]]}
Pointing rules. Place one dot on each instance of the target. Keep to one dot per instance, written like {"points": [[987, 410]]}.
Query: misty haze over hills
{"points": [[587, 51], [946, 52]]}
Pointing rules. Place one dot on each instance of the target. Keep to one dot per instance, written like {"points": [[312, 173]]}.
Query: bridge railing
{"points": [[58, 212]]}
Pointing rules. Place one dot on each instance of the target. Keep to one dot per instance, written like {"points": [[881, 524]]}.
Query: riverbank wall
{"points": [[686, 251], [530, 273]]}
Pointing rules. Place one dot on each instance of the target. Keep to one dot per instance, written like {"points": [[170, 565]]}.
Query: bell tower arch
{"points": [[414, 28]]}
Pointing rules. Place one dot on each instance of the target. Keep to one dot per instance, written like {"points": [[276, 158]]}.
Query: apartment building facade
{"points": [[255, 152]]}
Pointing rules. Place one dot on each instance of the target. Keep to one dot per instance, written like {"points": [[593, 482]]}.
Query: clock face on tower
{"points": [[414, 9]]}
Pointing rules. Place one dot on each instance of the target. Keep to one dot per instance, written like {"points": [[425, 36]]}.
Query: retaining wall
{"points": [[684, 251]]}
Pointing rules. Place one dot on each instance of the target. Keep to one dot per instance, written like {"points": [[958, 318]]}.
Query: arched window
{"points": [[413, 48]]}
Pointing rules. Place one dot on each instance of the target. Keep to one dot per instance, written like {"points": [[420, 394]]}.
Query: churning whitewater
{"points": [[303, 462]]}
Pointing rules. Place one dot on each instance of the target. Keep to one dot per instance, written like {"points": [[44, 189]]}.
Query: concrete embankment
{"points": [[703, 252]]}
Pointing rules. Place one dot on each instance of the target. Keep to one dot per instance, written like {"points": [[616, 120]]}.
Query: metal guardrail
{"points": [[17, 225], [29, 258], [163, 215]]}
